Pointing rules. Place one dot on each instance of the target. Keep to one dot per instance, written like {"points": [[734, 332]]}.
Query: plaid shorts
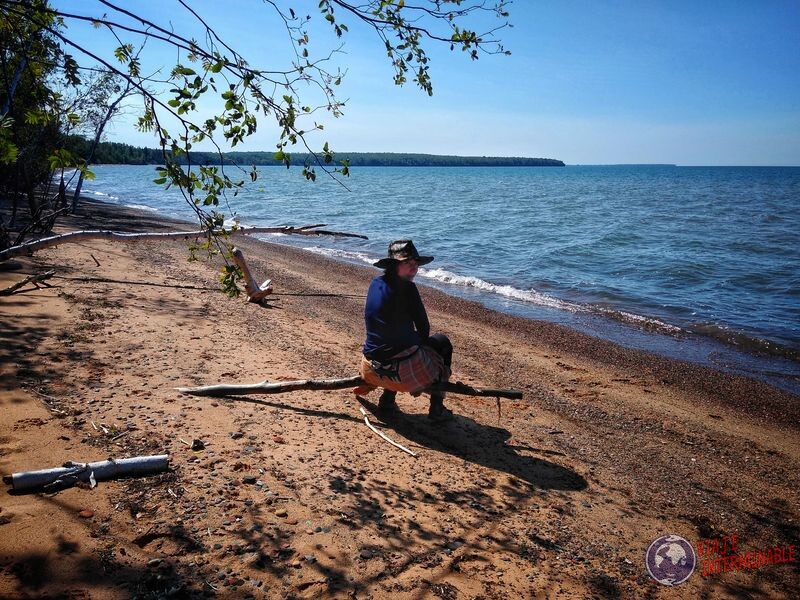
{"points": [[411, 370]]}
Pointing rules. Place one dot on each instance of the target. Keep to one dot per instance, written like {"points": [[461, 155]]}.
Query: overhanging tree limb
{"points": [[76, 236]]}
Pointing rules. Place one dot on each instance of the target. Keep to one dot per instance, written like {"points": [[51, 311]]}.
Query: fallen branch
{"points": [[35, 279], [385, 437], [71, 472], [255, 293], [75, 236], [281, 387]]}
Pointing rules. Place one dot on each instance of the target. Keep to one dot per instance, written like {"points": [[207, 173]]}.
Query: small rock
{"points": [[86, 514], [154, 562], [281, 512], [366, 554], [453, 545], [237, 435], [278, 439], [249, 479], [310, 559], [198, 445]]}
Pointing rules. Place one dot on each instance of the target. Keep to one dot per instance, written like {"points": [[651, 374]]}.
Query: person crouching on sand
{"points": [[399, 354]]}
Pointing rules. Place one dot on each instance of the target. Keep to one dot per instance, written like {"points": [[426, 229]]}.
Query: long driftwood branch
{"points": [[34, 279], [281, 387], [71, 472], [77, 236]]}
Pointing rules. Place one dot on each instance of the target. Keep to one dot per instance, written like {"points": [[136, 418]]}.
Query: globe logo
{"points": [[670, 560]]}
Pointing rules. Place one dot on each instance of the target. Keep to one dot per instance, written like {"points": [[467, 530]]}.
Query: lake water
{"points": [[700, 263]]}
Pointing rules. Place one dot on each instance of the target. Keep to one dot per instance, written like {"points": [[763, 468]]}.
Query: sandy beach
{"points": [[557, 496]]}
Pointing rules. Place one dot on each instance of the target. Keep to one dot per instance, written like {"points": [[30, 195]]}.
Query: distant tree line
{"points": [[115, 153]]}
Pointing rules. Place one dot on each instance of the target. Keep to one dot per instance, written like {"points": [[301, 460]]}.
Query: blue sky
{"points": [[692, 83]]}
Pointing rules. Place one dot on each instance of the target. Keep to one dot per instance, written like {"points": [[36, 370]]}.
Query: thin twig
{"points": [[385, 437]]}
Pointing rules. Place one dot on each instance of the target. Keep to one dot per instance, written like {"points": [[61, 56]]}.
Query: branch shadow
{"points": [[309, 412]]}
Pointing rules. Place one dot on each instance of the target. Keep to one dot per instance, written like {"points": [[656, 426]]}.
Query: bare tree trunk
{"points": [[23, 63], [33, 204], [98, 135], [62, 192]]}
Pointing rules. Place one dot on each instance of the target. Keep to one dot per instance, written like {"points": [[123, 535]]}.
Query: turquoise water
{"points": [[697, 262]]}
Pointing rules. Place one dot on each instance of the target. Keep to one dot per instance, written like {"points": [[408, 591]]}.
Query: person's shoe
{"points": [[439, 413]]}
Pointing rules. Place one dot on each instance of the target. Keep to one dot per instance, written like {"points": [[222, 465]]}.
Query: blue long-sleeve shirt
{"points": [[395, 317]]}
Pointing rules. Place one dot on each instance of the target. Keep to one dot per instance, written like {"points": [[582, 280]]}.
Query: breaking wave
{"points": [[531, 296]]}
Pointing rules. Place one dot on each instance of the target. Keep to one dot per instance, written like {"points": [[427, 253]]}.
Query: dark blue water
{"points": [[701, 263]]}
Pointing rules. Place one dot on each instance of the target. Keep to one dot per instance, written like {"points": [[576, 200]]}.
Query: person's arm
{"points": [[418, 314]]}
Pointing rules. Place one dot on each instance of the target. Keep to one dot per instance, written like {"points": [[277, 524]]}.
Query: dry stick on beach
{"points": [[34, 279], [281, 387], [75, 236], [385, 437]]}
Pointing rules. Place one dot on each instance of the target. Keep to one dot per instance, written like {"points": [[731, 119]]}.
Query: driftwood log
{"points": [[281, 387], [34, 279], [80, 236], [71, 472], [255, 293]]}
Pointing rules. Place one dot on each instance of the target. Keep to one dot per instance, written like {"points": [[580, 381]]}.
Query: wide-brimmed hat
{"points": [[400, 250]]}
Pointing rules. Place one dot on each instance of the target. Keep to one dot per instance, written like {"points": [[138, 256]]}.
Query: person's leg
{"points": [[387, 401], [441, 343], [438, 412]]}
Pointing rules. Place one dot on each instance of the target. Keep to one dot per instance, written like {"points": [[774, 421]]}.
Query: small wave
{"points": [[338, 253], [142, 207], [105, 195], [532, 296], [648, 323], [747, 342], [503, 290]]}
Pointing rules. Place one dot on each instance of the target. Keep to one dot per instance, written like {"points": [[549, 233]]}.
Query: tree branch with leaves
{"points": [[209, 69]]}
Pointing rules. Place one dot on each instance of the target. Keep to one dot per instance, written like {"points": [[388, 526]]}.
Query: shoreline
{"points": [[551, 332], [560, 494], [712, 346]]}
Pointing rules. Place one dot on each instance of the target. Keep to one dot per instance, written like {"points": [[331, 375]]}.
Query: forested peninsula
{"points": [[117, 153]]}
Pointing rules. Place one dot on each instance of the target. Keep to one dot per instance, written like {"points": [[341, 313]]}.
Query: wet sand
{"points": [[557, 496]]}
